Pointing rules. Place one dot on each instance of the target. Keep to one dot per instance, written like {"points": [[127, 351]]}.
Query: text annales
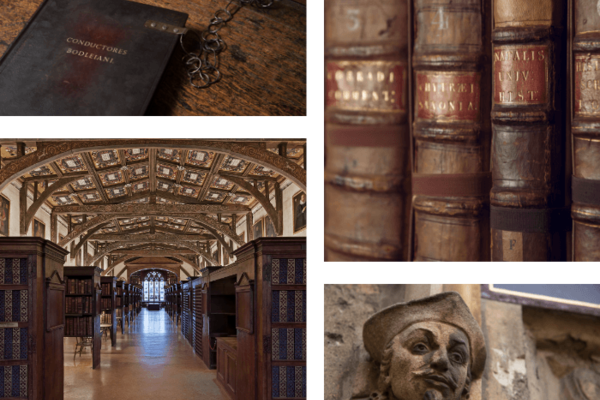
{"points": [[520, 75]]}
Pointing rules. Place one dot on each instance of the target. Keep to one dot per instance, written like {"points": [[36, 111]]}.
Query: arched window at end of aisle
{"points": [[154, 287]]}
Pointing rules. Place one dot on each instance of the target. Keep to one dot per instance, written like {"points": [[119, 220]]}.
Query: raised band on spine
{"points": [[532, 220], [452, 185], [370, 251], [366, 135], [585, 191]]}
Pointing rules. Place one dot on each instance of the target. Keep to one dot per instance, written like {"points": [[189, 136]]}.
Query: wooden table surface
{"points": [[263, 68]]}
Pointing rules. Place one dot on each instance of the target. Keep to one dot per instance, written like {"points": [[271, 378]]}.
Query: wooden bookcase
{"points": [[207, 329], [138, 298], [126, 305], [198, 311], [32, 278], [108, 302], [227, 365], [119, 305], [220, 316], [186, 318], [269, 286], [179, 302], [82, 306], [192, 318], [170, 303]]}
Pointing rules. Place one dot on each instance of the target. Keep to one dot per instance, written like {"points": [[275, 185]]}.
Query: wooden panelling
{"points": [[198, 319], [270, 359], [227, 364], [245, 309], [31, 281]]}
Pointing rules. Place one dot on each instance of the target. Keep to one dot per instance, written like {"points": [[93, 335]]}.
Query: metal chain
{"points": [[203, 64]]}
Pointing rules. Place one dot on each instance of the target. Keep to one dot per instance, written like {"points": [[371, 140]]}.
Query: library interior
{"points": [[147, 268]]}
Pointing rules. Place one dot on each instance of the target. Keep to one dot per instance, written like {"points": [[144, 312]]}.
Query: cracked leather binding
{"points": [[585, 129], [367, 178], [324, 93], [87, 57], [451, 131], [528, 124]]}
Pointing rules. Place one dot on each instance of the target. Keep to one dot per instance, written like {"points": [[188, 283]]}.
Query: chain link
{"points": [[203, 64]]}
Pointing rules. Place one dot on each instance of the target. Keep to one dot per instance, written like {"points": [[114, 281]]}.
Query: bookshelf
{"points": [[169, 300], [220, 316], [185, 311], [198, 304], [82, 306], [31, 273], [178, 302], [138, 298], [119, 306], [269, 320], [107, 304], [126, 306]]}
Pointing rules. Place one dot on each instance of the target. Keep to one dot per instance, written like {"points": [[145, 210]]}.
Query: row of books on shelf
{"points": [[106, 304], [78, 305], [106, 289], [479, 155], [80, 326], [79, 286]]}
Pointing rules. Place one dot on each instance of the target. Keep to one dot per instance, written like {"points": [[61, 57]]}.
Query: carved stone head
{"points": [[428, 349]]}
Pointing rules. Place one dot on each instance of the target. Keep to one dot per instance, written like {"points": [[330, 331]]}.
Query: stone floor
{"points": [[150, 361]]}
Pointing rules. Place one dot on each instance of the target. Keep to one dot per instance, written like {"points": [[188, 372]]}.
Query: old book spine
{"points": [[528, 215], [451, 131], [324, 94], [585, 128], [367, 177]]}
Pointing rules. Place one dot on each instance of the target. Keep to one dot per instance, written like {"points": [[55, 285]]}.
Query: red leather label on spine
{"points": [[520, 74], [587, 84], [448, 96], [366, 85]]}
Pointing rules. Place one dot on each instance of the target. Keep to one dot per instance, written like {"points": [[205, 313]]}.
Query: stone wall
{"points": [[539, 354], [347, 307]]}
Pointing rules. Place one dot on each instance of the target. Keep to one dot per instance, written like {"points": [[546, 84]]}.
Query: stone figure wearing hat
{"points": [[427, 349]]}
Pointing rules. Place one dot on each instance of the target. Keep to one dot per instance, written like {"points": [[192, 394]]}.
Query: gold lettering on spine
{"points": [[447, 96], [366, 85], [587, 84], [512, 246], [520, 74]]}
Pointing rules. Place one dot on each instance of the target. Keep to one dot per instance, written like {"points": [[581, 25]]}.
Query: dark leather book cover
{"points": [[528, 217], [367, 171], [585, 129], [451, 130], [87, 57]]}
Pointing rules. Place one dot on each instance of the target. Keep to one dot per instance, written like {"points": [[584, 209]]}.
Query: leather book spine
{"points": [[367, 178], [324, 94], [528, 216], [451, 131], [585, 129]]}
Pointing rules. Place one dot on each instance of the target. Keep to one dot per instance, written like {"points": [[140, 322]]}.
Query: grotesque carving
{"points": [[581, 384], [428, 349]]}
